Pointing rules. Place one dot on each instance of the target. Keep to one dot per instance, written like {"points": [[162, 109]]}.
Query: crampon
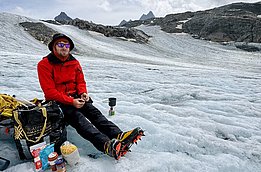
{"points": [[127, 139]]}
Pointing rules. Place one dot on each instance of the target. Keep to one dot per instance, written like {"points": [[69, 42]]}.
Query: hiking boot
{"points": [[112, 148], [128, 138]]}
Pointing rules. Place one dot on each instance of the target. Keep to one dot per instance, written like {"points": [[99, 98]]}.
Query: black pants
{"points": [[97, 129]]}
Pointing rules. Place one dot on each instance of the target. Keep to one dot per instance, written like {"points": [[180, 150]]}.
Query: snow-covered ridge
{"points": [[14, 38], [199, 102], [163, 48]]}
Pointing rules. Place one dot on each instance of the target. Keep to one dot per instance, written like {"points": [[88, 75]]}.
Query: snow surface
{"points": [[199, 102]]}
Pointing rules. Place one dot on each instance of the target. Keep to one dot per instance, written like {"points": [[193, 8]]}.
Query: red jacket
{"points": [[61, 80]]}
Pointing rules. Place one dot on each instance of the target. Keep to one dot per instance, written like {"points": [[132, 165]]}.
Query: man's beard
{"points": [[64, 54]]}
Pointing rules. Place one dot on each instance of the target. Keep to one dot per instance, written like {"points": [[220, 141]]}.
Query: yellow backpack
{"points": [[7, 105]]}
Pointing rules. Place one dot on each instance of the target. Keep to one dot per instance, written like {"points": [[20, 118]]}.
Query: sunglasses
{"points": [[61, 45]]}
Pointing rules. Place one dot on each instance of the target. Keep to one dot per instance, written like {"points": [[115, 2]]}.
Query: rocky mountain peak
{"points": [[147, 16], [122, 22], [62, 17], [150, 15]]}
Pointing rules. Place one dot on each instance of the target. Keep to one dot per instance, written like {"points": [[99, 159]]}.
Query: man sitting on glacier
{"points": [[62, 80]]}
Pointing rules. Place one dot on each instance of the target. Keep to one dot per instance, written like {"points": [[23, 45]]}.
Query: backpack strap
{"points": [[25, 149]]}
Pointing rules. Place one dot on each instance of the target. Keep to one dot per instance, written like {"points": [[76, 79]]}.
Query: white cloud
{"points": [[21, 11], [105, 5]]}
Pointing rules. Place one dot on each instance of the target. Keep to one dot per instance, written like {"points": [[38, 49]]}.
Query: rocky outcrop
{"points": [[236, 22], [111, 31], [248, 47], [52, 22], [240, 22], [44, 34], [39, 31], [168, 23]]}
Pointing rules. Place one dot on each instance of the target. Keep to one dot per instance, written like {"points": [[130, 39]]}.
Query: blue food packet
{"points": [[44, 155]]}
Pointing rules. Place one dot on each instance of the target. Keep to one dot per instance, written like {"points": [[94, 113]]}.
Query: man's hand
{"points": [[78, 103], [85, 97]]}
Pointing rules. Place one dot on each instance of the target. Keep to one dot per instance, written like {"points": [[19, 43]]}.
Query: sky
{"points": [[107, 12], [199, 102]]}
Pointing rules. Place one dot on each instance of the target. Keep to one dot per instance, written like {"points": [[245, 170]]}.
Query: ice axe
{"points": [[4, 163]]}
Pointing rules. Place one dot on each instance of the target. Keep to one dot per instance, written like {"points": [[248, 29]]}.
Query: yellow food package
{"points": [[67, 148], [70, 153]]}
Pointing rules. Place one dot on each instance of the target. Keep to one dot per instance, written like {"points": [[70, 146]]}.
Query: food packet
{"points": [[35, 151], [44, 155], [67, 148], [70, 153]]}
